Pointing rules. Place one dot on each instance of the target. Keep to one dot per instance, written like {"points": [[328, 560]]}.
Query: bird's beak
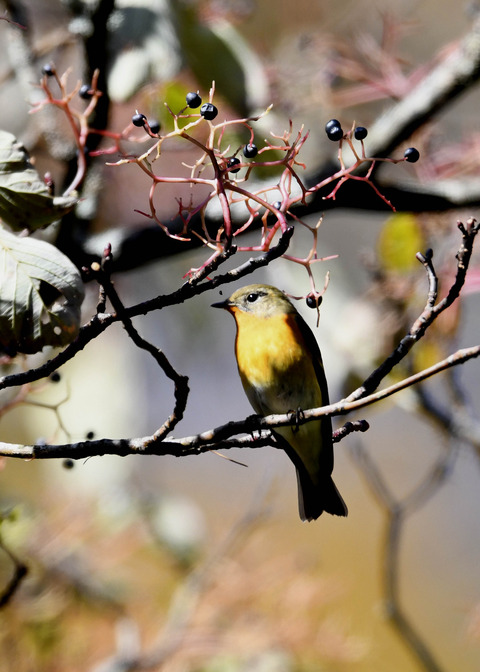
{"points": [[222, 304]]}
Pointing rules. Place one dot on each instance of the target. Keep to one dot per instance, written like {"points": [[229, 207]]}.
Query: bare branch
{"points": [[454, 418], [102, 275], [397, 512], [98, 323], [430, 312], [186, 599], [451, 77], [350, 428], [20, 572], [217, 438]]}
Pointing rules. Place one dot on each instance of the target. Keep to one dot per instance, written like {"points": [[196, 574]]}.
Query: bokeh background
{"points": [[200, 554]]}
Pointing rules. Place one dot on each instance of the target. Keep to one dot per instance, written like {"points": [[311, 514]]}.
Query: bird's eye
{"points": [[251, 298]]}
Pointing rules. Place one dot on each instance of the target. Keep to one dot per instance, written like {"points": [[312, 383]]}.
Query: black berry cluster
{"points": [[140, 121], [334, 130]]}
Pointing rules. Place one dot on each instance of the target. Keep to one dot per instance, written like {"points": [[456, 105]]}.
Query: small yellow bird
{"points": [[281, 369]]}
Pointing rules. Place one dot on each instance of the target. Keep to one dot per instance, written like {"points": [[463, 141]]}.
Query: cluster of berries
{"points": [[140, 120], [208, 111], [250, 151], [85, 92], [334, 131], [194, 100]]}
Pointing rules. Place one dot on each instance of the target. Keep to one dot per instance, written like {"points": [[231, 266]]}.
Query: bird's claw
{"points": [[297, 415]]}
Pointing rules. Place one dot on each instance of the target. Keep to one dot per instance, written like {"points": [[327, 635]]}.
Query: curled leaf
{"points": [[25, 201], [41, 292]]}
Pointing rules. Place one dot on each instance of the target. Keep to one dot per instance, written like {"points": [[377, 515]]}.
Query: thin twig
{"points": [[216, 438], [454, 418], [181, 390], [350, 428], [430, 312], [185, 601], [20, 572], [451, 77], [100, 322], [397, 512]]}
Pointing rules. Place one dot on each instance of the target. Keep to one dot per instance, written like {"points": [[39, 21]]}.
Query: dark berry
{"points": [[250, 151], [411, 155], [335, 133], [313, 301], [85, 92], [68, 464], [361, 133], [139, 119], [208, 111], [277, 204], [154, 126], [193, 99], [48, 70], [330, 124], [55, 377], [231, 163], [90, 435]]}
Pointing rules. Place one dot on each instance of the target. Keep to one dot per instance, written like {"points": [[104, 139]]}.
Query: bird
{"points": [[281, 370]]}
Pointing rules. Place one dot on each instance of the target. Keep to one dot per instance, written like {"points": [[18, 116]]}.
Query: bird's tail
{"points": [[314, 499]]}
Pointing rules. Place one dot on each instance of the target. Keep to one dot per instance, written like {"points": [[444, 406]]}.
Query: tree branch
{"points": [[98, 323], [396, 515], [20, 572], [221, 437], [181, 391], [430, 312], [455, 74]]}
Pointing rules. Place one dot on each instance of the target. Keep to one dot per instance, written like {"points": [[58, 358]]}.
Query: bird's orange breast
{"points": [[273, 358]]}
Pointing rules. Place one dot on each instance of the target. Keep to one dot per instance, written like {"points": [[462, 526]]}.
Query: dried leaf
{"points": [[25, 202], [41, 292]]}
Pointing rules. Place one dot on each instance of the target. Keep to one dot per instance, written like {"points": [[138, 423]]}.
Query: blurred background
{"points": [[199, 563]]}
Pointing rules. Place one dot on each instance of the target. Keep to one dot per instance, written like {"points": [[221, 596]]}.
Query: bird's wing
{"points": [[314, 350]]}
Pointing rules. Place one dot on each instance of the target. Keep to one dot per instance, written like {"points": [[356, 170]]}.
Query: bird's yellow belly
{"points": [[278, 376], [272, 359]]}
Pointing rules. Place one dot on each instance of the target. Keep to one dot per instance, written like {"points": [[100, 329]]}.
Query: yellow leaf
{"points": [[399, 241], [427, 353]]}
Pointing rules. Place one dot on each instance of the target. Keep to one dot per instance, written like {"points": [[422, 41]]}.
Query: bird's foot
{"points": [[297, 415]]}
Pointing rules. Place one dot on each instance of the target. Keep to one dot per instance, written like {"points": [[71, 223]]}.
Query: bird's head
{"points": [[259, 300]]}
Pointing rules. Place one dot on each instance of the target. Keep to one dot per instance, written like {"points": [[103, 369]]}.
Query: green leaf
{"points": [[216, 51], [400, 239], [25, 202], [41, 292]]}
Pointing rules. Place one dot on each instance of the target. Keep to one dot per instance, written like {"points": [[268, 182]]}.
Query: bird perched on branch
{"points": [[281, 369]]}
